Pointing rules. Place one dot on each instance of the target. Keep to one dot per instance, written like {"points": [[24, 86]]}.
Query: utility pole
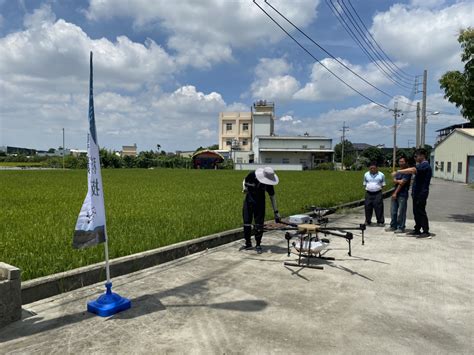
{"points": [[63, 150], [418, 125], [423, 110], [344, 128], [395, 116]]}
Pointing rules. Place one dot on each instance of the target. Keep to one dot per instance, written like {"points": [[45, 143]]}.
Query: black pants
{"points": [[419, 212], [374, 202], [253, 210]]}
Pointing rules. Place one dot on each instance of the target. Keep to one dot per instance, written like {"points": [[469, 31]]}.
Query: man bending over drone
{"points": [[254, 186]]}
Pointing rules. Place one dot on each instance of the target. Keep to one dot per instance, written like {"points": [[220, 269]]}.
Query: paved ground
{"points": [[394, 295]]}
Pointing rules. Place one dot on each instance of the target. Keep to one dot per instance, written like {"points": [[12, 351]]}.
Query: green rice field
{"points": [[145, 209]]}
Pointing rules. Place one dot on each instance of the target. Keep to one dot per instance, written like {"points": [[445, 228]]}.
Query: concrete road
{"points": [[397, 295], [447, 202]]}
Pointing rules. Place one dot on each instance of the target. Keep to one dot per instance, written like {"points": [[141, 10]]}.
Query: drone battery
{"points": [[300, 219]]}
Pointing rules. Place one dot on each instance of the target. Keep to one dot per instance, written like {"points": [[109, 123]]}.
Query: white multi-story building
{"points": [[249, 138]]}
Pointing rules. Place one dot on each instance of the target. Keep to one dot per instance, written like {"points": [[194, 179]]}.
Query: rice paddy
{"points": [[145, 209]]}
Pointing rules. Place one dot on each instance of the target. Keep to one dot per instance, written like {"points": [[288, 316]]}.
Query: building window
{"points": [[303, 162], [322, 147], [228, 126], [305, 146], [268, 160], [228, 142], [245, 142], [436, 166], [442, 166], [239, 160], [245, 126], [448, 168], [459, 168], [285, 161]]}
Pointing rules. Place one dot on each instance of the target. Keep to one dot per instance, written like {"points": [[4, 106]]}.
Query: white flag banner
{"points": [[90, 226]]}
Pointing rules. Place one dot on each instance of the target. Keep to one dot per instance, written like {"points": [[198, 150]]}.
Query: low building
{"points": [[359, 148], [454, 156], [308, 151], [446, 131], [9, 150], [78, 152], [129, 150], [185, 153]]}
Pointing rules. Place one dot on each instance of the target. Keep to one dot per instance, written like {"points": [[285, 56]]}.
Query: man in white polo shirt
{"points": [[374, 181]]}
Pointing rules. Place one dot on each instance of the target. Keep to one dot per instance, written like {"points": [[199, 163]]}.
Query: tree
{"points": [[348, 151], [459, 86], [213, 147], [374, 154]]}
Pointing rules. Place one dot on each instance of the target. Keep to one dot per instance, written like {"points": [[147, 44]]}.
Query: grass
{"points": [[145, 209], [21, 164]]}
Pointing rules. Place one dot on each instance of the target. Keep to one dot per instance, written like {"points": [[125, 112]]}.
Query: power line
{"points": [[335, 58], [325, 67], [327, 52], [347, 28], [370, 47], [377, 44]]}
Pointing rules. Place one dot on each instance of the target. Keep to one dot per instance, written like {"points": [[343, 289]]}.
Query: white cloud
{"points": [[204, 32], [325, 86], [41, 16], [49, 52], [207, 133], [424, 36], [277, 88], [289, 120], [427, 3], [272, 81]]}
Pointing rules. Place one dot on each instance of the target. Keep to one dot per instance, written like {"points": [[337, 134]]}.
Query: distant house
{"points": [[359, 148], [129, 151], [454, 156], [446, 131], [9, 150], [185, 153], [78, 152]]}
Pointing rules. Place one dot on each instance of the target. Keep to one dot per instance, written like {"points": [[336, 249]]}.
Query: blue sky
{"points": [[164, 70]]}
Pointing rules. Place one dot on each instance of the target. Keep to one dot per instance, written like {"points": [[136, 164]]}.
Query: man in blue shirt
{"points": [[420, 191], [374, 181], [399, 199]]}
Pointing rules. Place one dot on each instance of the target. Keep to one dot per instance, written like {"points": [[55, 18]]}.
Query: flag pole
{"points": [[106, 247], [91, 226]]}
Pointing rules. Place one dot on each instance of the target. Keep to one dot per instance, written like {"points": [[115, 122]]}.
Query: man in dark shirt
{"points": [[420, 191], [255, 185], [400, 199]]}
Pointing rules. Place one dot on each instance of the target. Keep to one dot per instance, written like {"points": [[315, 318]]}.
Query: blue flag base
{"points": [[109, 303]]}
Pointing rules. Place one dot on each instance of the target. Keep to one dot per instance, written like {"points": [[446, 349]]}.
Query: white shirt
{"points": [[374, 182]]}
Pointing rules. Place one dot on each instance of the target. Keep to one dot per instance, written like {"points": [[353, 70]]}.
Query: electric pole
{"points": [[423, 110], [63, 150], [395, 116], [418, 125], [344, 128]]}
